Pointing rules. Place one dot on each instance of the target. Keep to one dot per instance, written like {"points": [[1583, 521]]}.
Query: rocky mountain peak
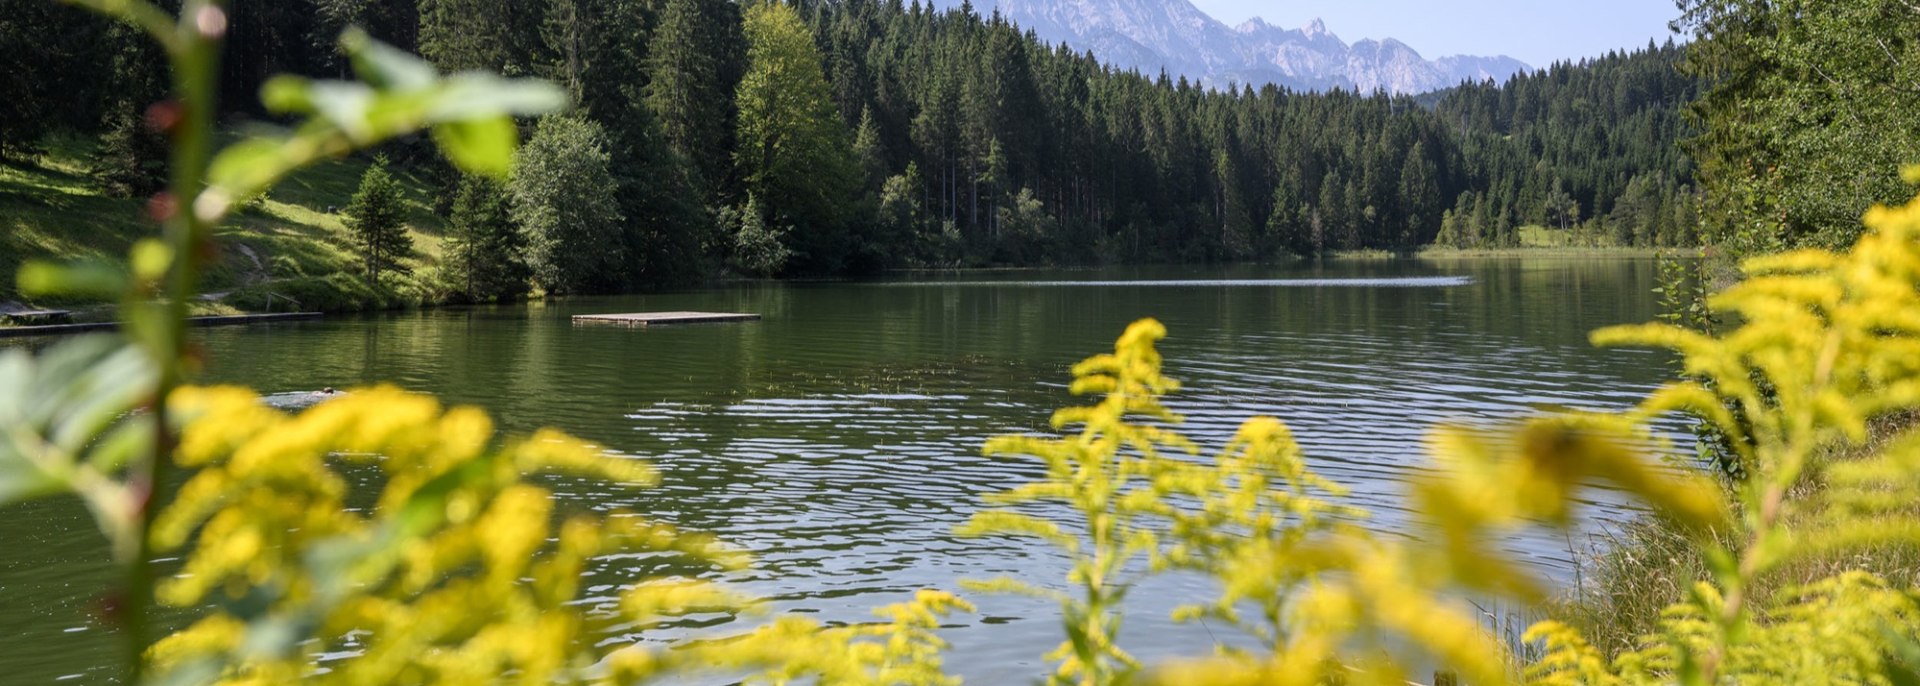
{"points": [[1174, 35], [1315, 29]]}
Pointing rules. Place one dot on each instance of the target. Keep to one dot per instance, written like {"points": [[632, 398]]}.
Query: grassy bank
{"points": [[1538, 240], [1632, 574], [1535, 241], [1569, 251], [291, 245]]}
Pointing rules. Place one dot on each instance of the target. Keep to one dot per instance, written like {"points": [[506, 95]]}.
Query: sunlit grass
{"points": [[50, 209]]}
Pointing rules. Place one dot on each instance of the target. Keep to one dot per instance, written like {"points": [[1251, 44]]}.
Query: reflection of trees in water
{"points": [[839, 436], [1551, 301]]}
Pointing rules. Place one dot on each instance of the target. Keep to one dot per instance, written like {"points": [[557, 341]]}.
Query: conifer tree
{"points": [[484, 248], [132, 158], [758, 247], [495, 35], [868, 149], [48, 71], [376, 221], [597, 48], [694, 65]]}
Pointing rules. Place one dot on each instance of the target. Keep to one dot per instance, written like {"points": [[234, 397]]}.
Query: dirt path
{"points": [[256, 275]]}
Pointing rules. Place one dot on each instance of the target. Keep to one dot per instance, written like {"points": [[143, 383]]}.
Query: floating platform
{"points": [[221, 320], [19, 315], [664, 318]]}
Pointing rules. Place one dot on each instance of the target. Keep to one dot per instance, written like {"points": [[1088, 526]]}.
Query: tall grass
{"points": [[1631, 574]]}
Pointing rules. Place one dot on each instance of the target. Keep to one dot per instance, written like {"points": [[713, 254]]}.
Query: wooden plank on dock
{"points": [[221, 320], [660, 318], [16, 313]]}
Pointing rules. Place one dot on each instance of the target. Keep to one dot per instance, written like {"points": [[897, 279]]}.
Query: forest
{"points": [[844, 138], [379, 536]]}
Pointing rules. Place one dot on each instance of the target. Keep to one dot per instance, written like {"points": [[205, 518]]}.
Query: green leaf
{"points": [[148, 324], [120, 445], [479, 146], [286, 94], [20, 479], [55, 405], [247, 164], [91, 279], [1900, 670], [347, 106], [477, 95], [15, 368], [102, 395], [383, 66]]}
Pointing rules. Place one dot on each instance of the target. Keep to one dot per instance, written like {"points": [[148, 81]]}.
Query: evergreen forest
{"points": [[845, 138], [1750, 514]]}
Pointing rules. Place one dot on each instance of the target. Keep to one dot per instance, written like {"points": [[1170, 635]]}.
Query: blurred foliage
{"points": [[459, 573], [1819, 345], [1140, 508], [1810, 113], [462, 571], [456, 574]]}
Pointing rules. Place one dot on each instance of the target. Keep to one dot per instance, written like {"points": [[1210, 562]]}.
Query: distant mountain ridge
{"points": [[1150, 35]]}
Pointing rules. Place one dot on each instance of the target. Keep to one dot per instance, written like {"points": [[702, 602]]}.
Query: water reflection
{"points": [[838, 438], [1406, 282]]}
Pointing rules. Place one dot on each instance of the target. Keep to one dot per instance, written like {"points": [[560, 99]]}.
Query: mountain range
{"points": [[1150, 35]]}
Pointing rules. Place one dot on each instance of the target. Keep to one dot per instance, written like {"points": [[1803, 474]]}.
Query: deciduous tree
{"points": [[564, 202]]}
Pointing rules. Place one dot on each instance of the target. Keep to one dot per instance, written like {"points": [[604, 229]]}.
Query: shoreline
{"points": [[216, 320], [1429, 252]]}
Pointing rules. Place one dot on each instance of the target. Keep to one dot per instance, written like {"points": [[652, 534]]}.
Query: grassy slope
{"points": [[1540, 240], [51, 210]]}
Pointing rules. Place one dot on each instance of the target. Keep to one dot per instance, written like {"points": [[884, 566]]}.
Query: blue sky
{"points": [[1535, 31]]}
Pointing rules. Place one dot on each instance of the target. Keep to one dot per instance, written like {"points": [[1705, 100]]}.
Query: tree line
{"points": [[1813, 112], [845, 137]]}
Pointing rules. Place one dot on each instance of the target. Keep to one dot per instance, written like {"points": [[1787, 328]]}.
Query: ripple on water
{"points": [[838, 439]]}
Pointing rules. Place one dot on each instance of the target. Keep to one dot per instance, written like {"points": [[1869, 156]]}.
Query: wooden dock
{"points": [[221, 320], [21, 315], [663, 318]]}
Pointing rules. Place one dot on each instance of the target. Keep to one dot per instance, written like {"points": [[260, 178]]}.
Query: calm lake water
{"points": [[838, 439]]}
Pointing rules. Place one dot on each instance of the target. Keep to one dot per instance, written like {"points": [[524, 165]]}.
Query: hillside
{"points": [[292, 244], [861, 136]]}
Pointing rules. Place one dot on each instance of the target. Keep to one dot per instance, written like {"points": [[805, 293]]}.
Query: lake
{"points": [[838, 439]]}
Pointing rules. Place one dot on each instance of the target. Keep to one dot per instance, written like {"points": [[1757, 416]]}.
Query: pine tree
{"points": [[132, 158], [376, 221], [492, 35], [50, 71], [759, 249], [694, 65], [484, 248], [868, 149], [597, 47]]}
